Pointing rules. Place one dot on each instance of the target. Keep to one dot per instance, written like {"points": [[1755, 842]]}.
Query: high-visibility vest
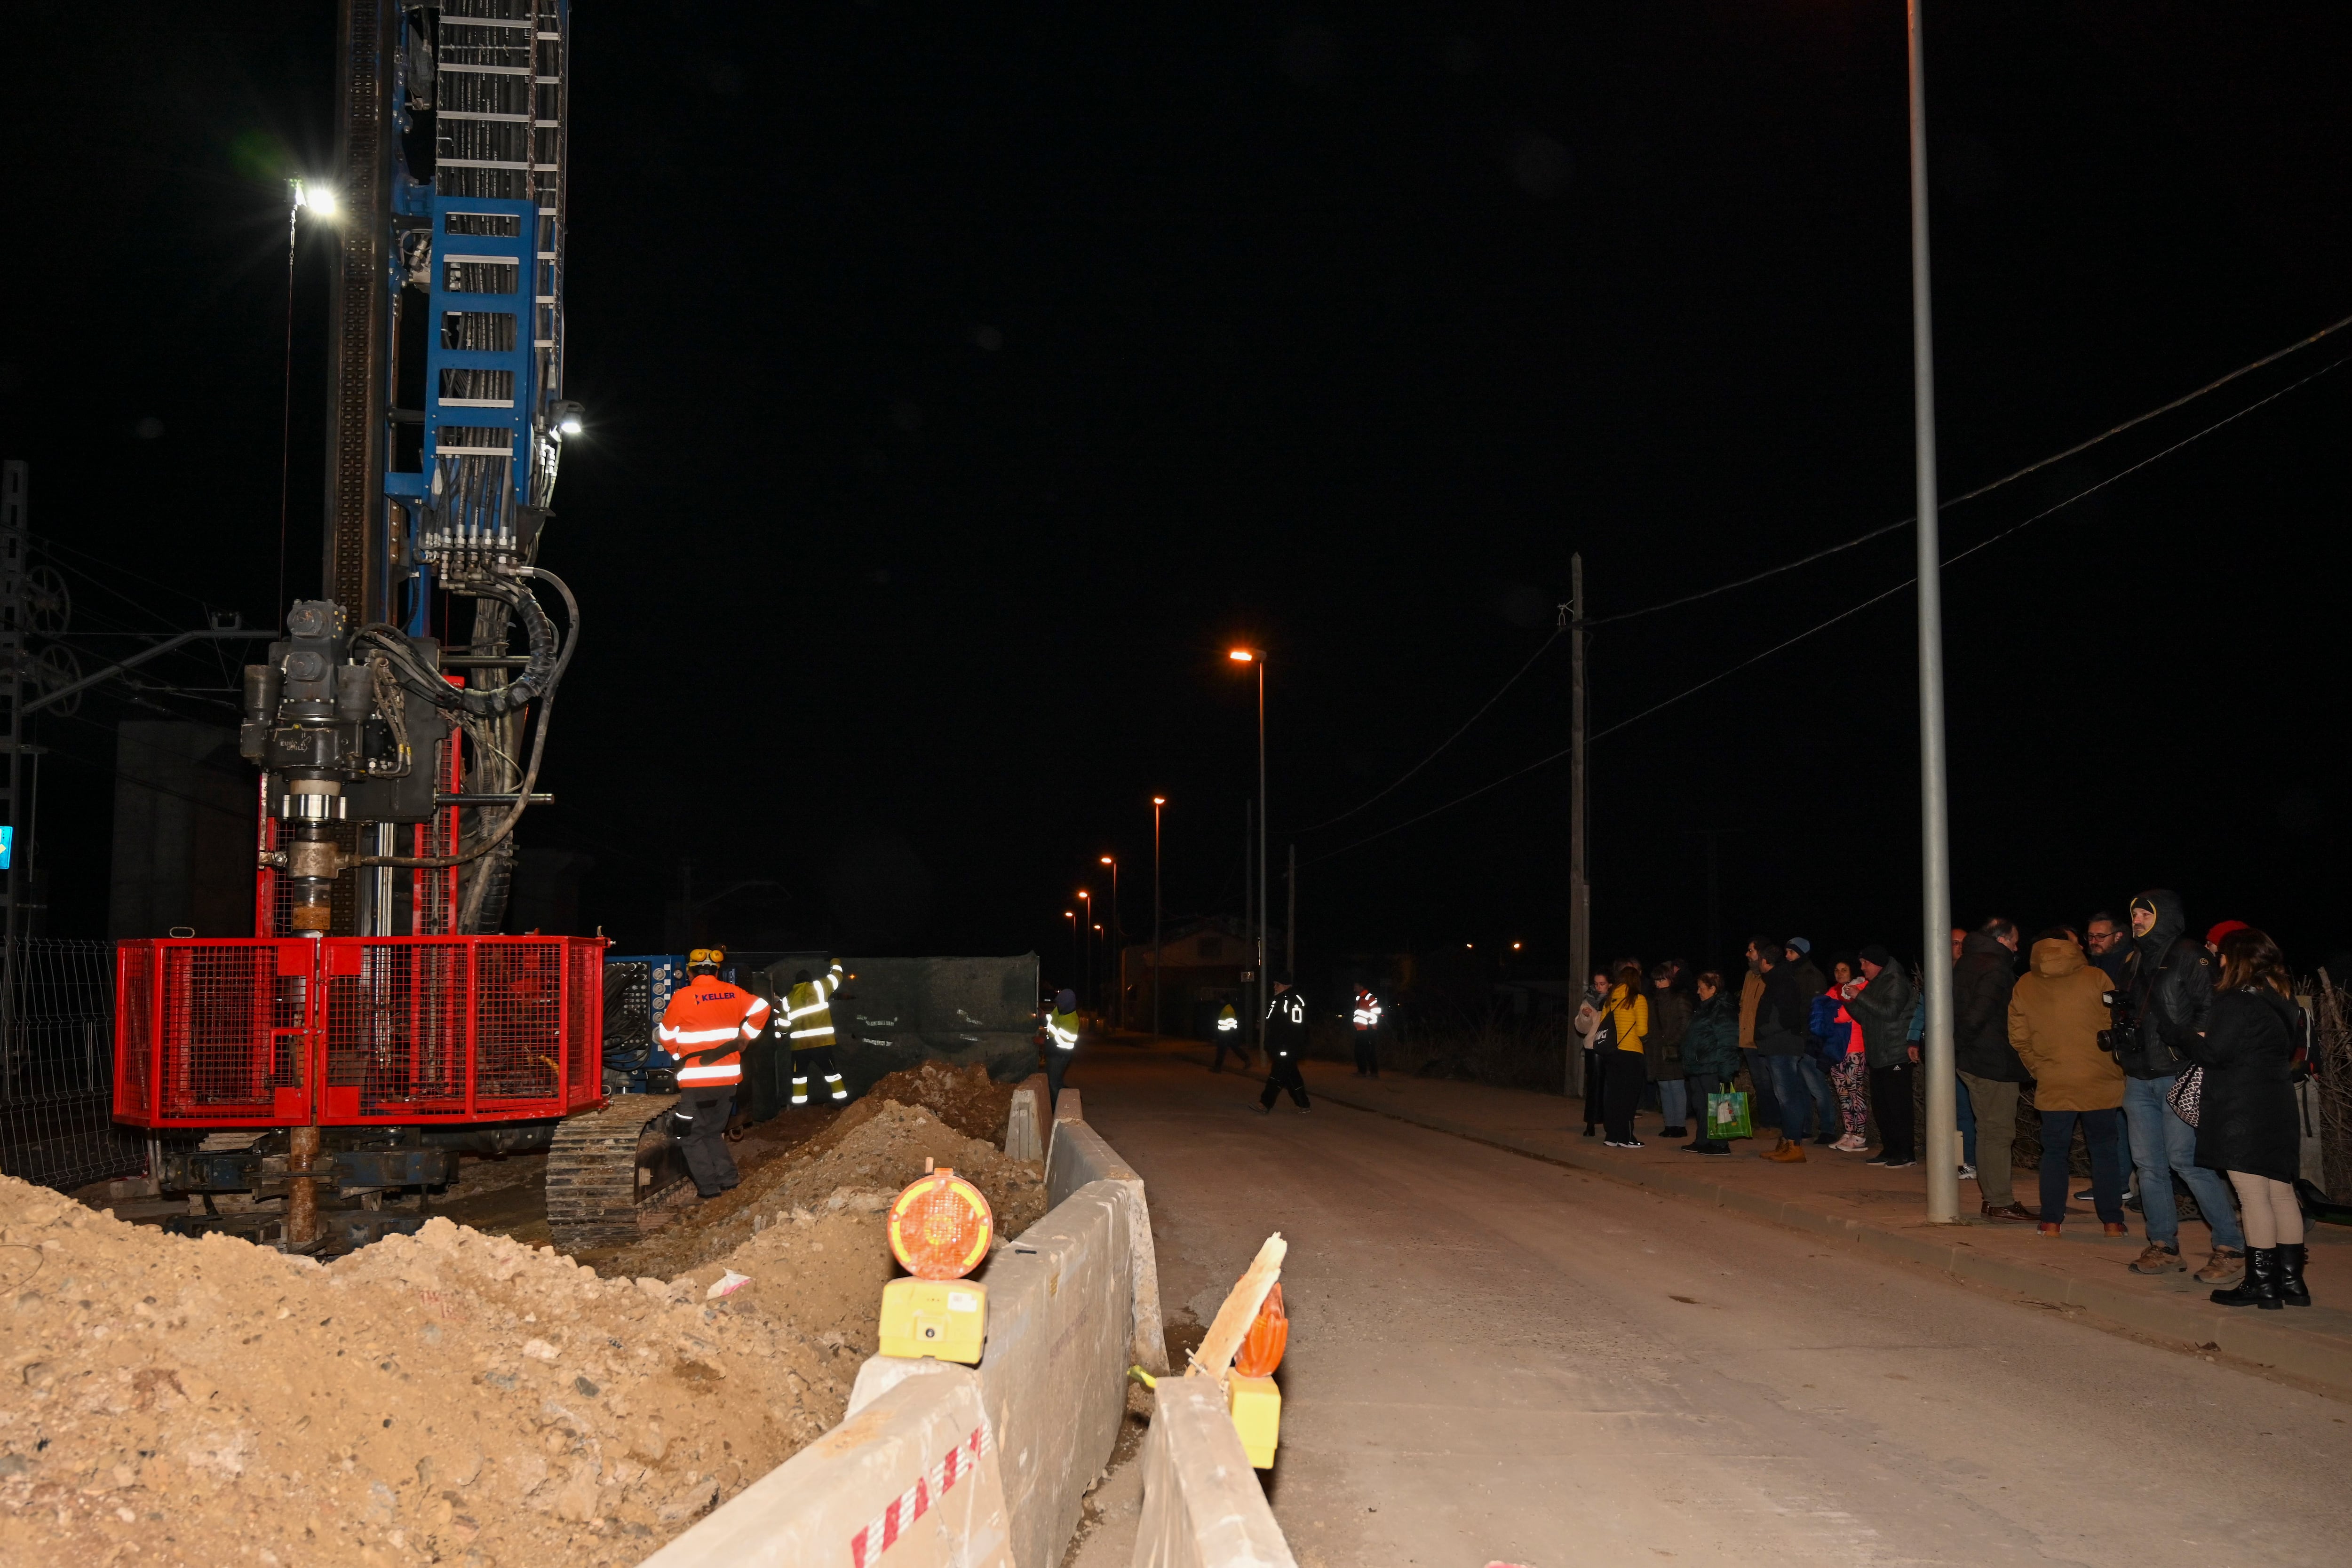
{"points": [[1061, 1029], [808, 1010], [1368, 1010], [704, 1027], [1226, 1022]]}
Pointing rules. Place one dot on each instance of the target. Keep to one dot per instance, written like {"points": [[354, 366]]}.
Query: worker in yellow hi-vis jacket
{"points": [[808, 1030]]}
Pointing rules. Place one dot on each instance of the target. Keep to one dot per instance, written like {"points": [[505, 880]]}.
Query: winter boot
{"points": [[2261, 1286], [2292, 1290], [1792, 1151]]}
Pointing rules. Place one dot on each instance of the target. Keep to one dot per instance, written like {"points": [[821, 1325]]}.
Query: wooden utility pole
{"points": [[1580, 888]]}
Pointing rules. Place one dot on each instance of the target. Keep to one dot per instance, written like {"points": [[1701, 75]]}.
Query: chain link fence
{"points": [[57, 1066]]}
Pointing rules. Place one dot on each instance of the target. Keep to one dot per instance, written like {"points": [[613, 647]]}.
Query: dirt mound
{"points": [[966, 1099], [454, 1397], [854, 1166]]}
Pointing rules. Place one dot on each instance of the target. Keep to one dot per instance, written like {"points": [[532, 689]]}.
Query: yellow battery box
{"points": [[943, 1318], [1255, 1405]]}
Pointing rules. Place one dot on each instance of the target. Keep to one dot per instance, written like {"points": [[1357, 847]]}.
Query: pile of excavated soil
{"points": [[854, 1168], [965, 1099], [450, 1396]]}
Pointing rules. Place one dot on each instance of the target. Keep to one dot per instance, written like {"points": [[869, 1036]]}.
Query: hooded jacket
{"points": [[1882, 1010], [1982, 982], [2055, 1014], [2167, 990], [2246, 1117]]}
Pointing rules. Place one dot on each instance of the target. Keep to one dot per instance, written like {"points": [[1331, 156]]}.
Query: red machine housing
{"points": [[357, 1031]]}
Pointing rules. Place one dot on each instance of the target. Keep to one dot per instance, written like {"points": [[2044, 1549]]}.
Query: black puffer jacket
{"points": [[1981, 982], [1883, 1011], [2245, 1119], [2169, 987]]}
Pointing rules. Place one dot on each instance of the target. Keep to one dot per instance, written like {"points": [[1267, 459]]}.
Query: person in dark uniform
{"points": [[1286, 1042]]}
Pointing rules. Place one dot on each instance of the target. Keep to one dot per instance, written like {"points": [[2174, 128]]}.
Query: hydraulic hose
{"points": [[535, 679], [559, 663]]}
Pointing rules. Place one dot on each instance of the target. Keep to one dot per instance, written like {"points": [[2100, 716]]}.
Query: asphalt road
{"points": [[1494, 1359]]}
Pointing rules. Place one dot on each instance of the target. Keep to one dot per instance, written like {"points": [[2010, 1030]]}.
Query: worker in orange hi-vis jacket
{"points": [[706, 1027]]}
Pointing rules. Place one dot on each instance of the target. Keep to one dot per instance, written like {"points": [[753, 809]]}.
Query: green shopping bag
{"points": [[1726, 1116]]}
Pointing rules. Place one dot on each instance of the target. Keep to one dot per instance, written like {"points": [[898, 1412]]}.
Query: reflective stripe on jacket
{"points": [[1368, 1010], [1226, 1022], [808, 1010], [704, 1027], [1061, 1029]]}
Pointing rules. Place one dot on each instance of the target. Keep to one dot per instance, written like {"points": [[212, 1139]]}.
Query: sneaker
{"points": [[2084, 1196], [1968, 1173], [2158, 1259], [1852, 1143], [1674, 1132], [1877, 1159], [2016, 1211], [1898, 1164], [2227, 1265]]}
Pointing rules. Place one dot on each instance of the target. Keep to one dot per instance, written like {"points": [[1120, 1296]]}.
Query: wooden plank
{"points": [[1233, 1319]]}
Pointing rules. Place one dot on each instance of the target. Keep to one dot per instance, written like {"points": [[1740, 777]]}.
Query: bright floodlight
{"points": [[1242, 655], [569, 417], [1159, 800], [319, 199], [1105, 860]]}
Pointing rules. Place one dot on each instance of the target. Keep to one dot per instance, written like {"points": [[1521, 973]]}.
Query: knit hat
{"points": [[1798, 945], [2213, 937], [1874, 954], [1065, 1002]]}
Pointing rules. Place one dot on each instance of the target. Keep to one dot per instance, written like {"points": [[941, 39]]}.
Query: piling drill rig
{"points": [[373, 1027]]}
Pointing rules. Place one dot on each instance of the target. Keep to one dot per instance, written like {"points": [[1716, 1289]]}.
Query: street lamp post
{"points": [[1115, 945], [1087, 899], [1072, 916], [1257, 656], [1156, 802], [1935, 823]]}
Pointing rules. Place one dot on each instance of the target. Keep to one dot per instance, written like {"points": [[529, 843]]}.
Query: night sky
{"points": [[963, 380]]}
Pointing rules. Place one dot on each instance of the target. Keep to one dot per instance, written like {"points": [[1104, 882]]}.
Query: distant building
{"points": [[1205, 963]]}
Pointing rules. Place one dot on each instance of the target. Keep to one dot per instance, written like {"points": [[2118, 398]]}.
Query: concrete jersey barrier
{"points": [[1202, 1506], [1078, 1155], [1053, 1376], [915, 1474]]}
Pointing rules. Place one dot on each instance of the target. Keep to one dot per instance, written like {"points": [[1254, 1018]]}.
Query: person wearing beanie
{"points": [[1882, 1010], [2213, 937], [1286, 1044]]}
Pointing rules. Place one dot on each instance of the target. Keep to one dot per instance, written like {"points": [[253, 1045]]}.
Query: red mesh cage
{"points": [[383, 1030], [134, 1032]]}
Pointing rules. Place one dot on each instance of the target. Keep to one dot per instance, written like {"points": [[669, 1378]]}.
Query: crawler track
{"points": [[607, 1168]]}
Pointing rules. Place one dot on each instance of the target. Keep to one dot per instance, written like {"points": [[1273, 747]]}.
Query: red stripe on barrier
{"points": [[882, 1531]]}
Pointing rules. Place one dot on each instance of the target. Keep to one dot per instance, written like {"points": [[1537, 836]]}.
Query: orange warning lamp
{"points": [[940, 1230], [941, 1225], [1269, 1336]]}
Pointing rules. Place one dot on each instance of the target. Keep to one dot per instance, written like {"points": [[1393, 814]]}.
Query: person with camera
{"points": [[2246, 1122], [2160, 1006], [2056, 1012]]}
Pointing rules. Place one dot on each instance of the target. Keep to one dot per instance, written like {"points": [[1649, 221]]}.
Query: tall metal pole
{"points": [[1580, 890], [1290, 921], [1157, 803], [1265, 989], [1934, 826], [1249, 883]]}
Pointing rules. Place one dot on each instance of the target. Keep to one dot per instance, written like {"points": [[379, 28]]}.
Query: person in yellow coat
{"points": [[1628, 1013]]}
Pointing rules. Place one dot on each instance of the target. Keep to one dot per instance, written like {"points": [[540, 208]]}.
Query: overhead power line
{"points": [[1847, 614], [1474, 719], [1986, 489]]}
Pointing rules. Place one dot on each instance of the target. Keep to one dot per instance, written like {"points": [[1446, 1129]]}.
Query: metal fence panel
{"points": [[57, 1066]]}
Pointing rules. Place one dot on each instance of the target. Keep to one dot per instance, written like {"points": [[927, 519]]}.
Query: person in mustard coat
{"points": [[1628, 1013], [2055, 1014]]}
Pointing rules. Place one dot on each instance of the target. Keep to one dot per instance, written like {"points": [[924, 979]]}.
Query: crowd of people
{"points": [[2172, 1057]]}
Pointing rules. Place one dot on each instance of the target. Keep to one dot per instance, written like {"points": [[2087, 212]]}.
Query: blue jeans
{"points": [[1965, 1111], [1803, 1112], [2104, 1137], [1672, 1102], [2161, 1142]]}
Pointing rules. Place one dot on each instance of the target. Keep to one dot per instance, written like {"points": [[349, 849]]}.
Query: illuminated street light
{"points": [[1264, 992], [1156, 802]]}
